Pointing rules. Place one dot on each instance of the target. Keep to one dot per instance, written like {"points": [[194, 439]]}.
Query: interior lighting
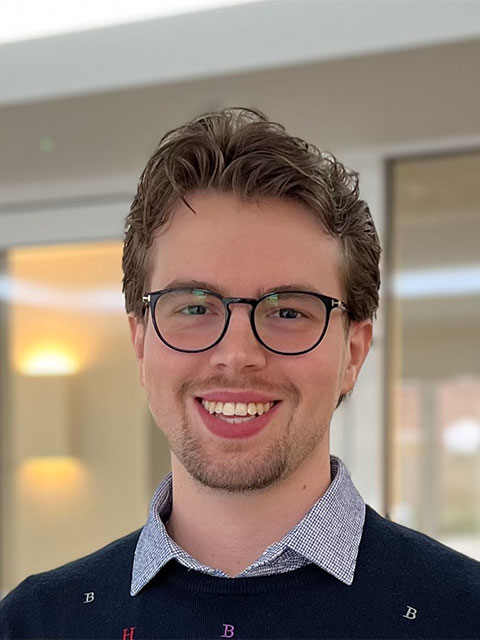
{"points": [[49, 362], [48, 478], [32, 294], [437, 283]]}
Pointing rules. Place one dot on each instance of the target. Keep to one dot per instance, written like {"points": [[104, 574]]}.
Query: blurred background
{"points": [[390, 86]]}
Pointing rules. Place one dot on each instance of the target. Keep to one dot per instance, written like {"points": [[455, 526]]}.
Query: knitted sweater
{"points": [[406, 585]]}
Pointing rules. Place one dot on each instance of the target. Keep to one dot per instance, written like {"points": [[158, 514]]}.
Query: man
{"points": [[251, 282]]}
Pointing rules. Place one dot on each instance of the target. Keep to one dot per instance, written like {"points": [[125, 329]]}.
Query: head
{"points": [[223, 175], [240, 151]]}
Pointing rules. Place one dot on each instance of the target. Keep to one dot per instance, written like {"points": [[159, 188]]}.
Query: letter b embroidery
{"points": [[411, 613], [229, 631]]}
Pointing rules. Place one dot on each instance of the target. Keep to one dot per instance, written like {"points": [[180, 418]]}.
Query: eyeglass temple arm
{"points": [[339, 304]]}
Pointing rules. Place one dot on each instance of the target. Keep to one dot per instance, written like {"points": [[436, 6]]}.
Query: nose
{"points": [[239, 349]]}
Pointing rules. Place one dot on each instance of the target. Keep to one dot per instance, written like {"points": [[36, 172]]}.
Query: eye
{"points": [[288, 313], [194, 310]]}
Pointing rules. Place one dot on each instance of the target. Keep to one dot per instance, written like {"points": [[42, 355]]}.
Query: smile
{"points": [[240, 409], [236, 419]]}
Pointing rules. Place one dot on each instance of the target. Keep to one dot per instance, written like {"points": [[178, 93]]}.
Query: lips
{"points": [[235, 427]]}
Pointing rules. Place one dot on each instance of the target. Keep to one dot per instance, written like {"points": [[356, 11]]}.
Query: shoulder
{"points": [[414, 553], [50, 590]]}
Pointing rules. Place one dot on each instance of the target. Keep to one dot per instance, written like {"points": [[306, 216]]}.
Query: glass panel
{"points": [[77, 428], [435, 349]]}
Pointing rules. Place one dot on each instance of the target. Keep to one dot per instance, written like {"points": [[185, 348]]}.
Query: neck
{"points": [[233, 530]]}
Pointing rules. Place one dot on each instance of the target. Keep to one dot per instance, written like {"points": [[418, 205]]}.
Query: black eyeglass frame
{"points": [[150, 300]]}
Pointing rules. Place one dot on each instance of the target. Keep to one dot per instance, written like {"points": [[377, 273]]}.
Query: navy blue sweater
{"points": [[406, 585]]}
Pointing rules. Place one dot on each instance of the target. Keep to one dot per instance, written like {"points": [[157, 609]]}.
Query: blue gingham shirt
{"points": [[328, 535]]}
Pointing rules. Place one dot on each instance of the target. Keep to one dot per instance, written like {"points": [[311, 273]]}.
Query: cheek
{"points": [[161, 382], [165, 371], [320, 379], [157, 371]]}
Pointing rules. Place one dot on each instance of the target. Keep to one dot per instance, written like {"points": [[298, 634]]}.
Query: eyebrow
{"points": [[209, 286]]}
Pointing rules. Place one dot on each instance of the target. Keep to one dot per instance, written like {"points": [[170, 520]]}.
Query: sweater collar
{"points": [[328, 535]]}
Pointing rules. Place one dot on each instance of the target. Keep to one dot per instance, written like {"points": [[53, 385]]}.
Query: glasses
{"points": [[285, 322]]}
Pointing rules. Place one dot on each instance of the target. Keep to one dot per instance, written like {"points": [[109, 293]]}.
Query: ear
{"points": [[358, 344], [137, 334]]}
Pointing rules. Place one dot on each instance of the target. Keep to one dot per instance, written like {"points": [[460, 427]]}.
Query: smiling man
{"points": [[247, 422], [251, 283]]}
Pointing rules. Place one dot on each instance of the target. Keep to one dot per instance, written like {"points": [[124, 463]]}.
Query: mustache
{"points": [[193, 387]]}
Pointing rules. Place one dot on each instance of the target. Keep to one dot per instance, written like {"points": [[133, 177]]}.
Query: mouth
{"points": [[236, 419], [236, 412]]}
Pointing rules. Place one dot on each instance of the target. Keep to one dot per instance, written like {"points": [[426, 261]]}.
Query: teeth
{"points": [[237, 408]]}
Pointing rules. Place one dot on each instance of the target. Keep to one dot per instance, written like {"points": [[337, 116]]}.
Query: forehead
{"points": [[244, 248]]}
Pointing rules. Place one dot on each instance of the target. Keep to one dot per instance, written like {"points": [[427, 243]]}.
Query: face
{"points": [[243, 249]]}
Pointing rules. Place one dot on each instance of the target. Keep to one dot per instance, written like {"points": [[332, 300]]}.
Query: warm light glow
{"points": [[52, 478], [49, 361]]}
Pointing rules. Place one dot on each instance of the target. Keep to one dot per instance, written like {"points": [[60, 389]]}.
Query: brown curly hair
{"points": [[240, 151]]}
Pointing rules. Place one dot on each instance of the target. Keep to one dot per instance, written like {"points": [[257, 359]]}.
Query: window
{"points": [[434, 348]]}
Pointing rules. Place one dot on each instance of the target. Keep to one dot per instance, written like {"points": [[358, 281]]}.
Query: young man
{"points": [[251, 282]]}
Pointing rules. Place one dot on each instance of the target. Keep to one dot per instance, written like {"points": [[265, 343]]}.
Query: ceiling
{"points": [[240, 38]]}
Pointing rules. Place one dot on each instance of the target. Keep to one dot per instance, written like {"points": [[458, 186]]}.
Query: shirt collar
{"points": [[328, 535]]}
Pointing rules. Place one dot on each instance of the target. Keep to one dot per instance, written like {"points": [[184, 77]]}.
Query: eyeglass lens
{"points": [[286, 322]]}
